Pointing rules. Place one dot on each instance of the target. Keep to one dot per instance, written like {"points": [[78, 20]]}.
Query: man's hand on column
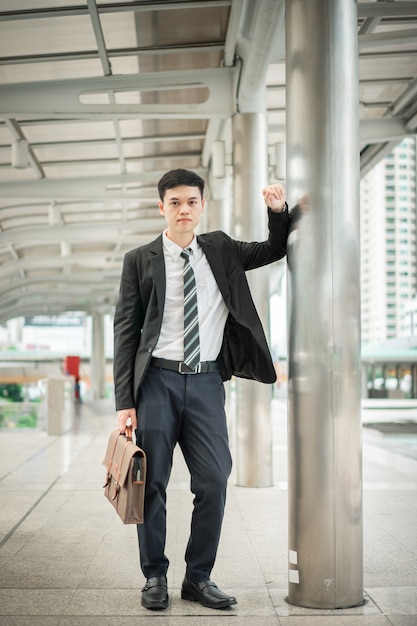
{"points": [[274, 196]]}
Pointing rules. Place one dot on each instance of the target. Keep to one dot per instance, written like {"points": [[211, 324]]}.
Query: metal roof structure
{"points": [[98, 99]]}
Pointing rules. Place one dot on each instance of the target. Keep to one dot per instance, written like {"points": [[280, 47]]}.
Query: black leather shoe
{"points": [[207, 594], [155, 593]]}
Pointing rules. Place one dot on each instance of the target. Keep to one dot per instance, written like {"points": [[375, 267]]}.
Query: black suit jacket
{"points": [[138, 316]]}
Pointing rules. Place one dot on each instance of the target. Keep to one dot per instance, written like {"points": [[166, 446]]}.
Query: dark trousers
{"points": [[188, 410]]}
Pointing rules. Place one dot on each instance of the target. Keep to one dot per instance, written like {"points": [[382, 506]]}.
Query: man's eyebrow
{"points": [[189, 198]]}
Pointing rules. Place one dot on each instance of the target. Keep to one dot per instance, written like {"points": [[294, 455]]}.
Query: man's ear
{"points": [[203, 204], [161, 207]]}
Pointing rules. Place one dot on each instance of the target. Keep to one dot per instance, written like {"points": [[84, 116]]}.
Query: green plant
{"points": [[11, 392], [26, 421]]}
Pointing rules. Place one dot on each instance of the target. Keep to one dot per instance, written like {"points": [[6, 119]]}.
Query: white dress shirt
{"points": [[212, 311]]}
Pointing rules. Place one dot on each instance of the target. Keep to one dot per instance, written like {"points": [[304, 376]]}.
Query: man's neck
{"points": [[182, 241]]}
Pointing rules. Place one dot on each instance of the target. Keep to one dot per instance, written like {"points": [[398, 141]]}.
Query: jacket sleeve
{"points": [[128, 322], [257, 254]]}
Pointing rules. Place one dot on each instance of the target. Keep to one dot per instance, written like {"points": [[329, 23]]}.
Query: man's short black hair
{"points": [[174, 178]]}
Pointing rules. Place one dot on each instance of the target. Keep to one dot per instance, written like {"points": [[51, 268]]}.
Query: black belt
{"points": [[179, 366]]}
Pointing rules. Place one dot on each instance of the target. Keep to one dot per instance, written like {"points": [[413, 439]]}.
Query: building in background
{"points": [[389, 244], [410, 319]]}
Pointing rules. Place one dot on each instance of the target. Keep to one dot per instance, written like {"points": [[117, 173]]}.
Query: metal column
{"points": [[98, 360], [218, 216], [253, 400], [325, 468]]}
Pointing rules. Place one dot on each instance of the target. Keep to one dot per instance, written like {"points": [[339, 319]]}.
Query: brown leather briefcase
{"points": [[126, 475]]}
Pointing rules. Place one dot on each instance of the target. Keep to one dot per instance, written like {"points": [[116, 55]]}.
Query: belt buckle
{"points": [[194, 370]]}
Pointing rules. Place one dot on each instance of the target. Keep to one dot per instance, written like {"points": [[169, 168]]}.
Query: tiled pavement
{"points": [[67, 560]]}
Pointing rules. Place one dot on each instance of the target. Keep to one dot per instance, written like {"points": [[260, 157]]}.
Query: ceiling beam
{"points": [[233, 27], [63, 98], [116, 159], [60, 303], [118, 187], [387, 38], [268, 26], [98, 33], [386, 9], [152, 139], [109, 261], [406, 102], [115, 231], [130, 7], [387, 54], [49, 284], [374, 153], [379, 130], [22, 309], [82, 55]]}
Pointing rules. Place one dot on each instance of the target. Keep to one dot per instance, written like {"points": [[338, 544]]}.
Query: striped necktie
{"points": [[191, 330]]}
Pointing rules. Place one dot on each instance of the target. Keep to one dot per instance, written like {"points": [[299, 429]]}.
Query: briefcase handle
{"points": [[128, 433]]}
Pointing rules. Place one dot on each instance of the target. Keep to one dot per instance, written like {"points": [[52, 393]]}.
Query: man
{"points": [[185, 322]]}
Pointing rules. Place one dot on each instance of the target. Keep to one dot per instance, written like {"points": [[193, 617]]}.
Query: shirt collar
{"points": [[174, 250]]}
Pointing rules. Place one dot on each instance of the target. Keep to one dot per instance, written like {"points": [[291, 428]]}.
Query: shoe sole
{"points": [[186, 595], [155, 606]]}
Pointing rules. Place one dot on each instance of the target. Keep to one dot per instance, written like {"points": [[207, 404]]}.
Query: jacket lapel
{"points": [[158, 271]]}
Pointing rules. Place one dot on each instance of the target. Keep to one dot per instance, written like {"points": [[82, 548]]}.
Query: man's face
{"points": [[182, 208]]}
